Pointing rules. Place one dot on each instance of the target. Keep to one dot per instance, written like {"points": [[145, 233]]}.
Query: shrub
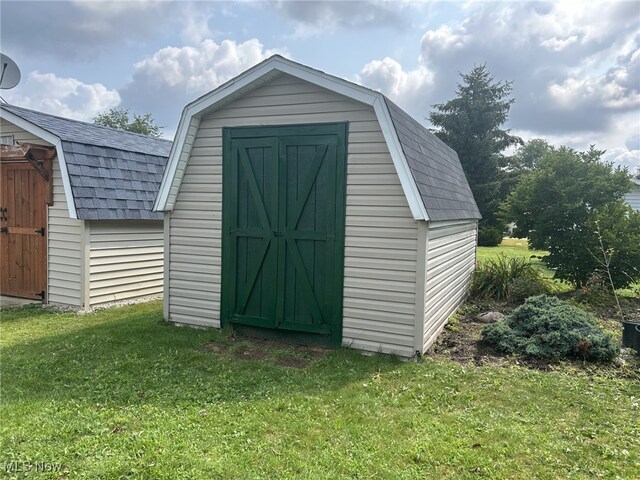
{"points": [[489, 236], [595, 291], [546, 327], [572, 205], [519, 289], [494, 278]]}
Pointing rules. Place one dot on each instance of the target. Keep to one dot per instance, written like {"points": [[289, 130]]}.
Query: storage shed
{"points": [[633, 197], [77, 222], [298, 201]]}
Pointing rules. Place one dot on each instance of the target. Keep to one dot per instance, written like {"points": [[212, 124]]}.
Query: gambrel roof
{"points": [[436, 169], [429, 171], [108, 174]]}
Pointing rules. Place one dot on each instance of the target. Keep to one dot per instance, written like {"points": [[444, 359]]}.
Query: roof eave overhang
{"points": [[57, 143], [209, 102]]}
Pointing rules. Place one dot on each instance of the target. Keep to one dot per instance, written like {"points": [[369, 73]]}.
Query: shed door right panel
{"points": [[283, 227]]}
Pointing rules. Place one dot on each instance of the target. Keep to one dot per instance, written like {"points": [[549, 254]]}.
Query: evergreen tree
{"points": [[471, 124]]}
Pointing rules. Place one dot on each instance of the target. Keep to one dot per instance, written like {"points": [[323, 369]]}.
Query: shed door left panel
{"points": [[251, 203]]}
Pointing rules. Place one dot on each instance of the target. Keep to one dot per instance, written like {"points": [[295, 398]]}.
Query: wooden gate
{"points": [[283, 227], [24, 194]]}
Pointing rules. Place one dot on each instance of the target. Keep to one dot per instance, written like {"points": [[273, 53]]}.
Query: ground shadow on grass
{"points": [[126, 356]]}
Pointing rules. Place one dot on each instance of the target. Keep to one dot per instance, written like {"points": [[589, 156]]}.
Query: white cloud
{"points": [[314, 17], [574, 93], [556, 44], [633, 141], [404, 87], [617, 89], [443, 40], [621, 140], [200, 68], [574, 66], [165, 82], [195, 23], [66, 97], [75, 30], [622, 157], [114, 9]]}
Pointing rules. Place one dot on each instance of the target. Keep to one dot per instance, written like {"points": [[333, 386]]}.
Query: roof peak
{"points": [[422, 161]]}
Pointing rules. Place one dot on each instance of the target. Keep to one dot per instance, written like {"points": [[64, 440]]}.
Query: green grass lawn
{"points": [[120, 394], [518, 247], [510, 247]]}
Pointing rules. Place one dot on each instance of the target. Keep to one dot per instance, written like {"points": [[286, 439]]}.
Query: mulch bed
{"points": [[461, 342]]}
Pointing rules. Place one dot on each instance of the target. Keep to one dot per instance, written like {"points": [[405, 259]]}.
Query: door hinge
{"points": [[40, 231], [4, 230], [40, 294]]}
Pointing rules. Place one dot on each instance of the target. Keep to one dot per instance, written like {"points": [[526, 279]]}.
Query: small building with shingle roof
{"points": [[299, 202], [88, 192], [633, 196]]}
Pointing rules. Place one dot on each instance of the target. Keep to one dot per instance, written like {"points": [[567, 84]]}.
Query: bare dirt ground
{"points": [[461, 341], [282, 352]]}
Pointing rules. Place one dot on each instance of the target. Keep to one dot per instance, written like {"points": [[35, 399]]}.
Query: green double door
{"points": [[283, 227]]}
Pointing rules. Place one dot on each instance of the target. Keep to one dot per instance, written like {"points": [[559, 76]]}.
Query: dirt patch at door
{"points": [[280, 352]]}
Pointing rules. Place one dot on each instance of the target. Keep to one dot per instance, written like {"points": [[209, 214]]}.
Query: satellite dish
{"points": [[9, 72]]}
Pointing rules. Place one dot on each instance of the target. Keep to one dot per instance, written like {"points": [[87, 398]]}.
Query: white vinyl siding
{"points": [[450, 259], [633, 198], [381, 235], [19, 135], [65, 249], [125, 260], [64, 234]]}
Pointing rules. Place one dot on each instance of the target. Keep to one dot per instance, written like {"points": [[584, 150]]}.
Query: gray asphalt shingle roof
{"points": [[436, 169], [114, 175]]}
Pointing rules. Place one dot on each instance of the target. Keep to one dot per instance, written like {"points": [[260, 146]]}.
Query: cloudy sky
{"points": [[575, 66]]}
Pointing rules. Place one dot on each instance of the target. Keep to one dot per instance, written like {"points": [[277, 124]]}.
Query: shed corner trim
{"points": [[178, 147], [409, 186]]}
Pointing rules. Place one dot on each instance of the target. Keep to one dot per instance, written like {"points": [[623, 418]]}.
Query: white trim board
{"points": [[212, 100], [57, 143]]}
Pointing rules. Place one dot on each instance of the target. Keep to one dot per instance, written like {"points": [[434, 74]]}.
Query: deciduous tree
{"points": [[566, 204], [119, 118]]}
